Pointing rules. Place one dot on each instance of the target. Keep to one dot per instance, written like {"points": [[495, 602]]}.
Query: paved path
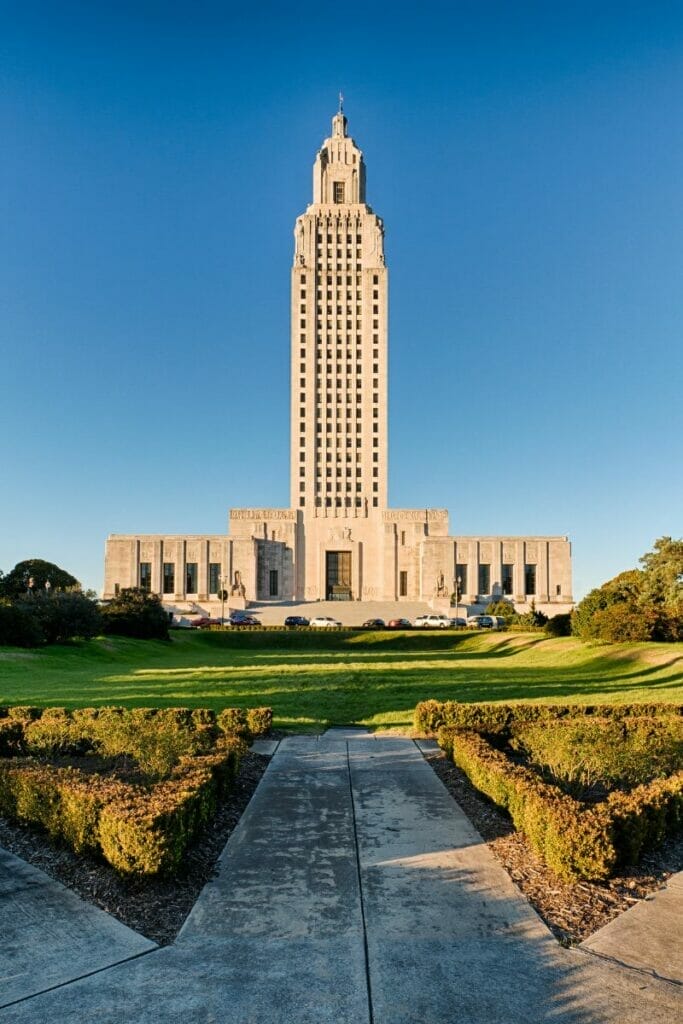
{"points": [[355, 891]]}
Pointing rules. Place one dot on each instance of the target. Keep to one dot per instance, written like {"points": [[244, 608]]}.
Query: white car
{"points": [[324, 622], [432, 622]]}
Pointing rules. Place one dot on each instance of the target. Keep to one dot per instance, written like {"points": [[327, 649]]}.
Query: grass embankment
{"points": [[315, 679]]}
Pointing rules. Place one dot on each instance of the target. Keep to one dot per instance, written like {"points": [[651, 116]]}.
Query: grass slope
{"points": [[314, 679]]}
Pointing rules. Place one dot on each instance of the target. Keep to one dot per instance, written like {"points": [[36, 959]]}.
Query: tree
{"points": [[136, 613], [502, 607], [16, 583], [640, 604], [623, 589], [63, 616], [662, 590]]}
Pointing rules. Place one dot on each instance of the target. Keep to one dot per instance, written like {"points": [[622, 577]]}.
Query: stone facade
{"points": [[340, 539]]}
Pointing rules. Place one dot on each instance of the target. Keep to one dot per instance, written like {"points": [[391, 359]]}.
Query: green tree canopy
{"points": [[640, 604], [16, 583], [136, 613]]}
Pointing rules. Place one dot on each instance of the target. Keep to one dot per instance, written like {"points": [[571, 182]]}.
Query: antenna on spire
{"points": [[341, 103]]}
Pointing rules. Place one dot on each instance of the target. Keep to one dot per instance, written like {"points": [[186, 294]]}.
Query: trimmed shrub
{"points": [[259, 721], [140, 828], [431, 715]]}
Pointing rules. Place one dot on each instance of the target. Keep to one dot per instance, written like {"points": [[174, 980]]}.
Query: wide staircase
{"points": [[349, 613]]}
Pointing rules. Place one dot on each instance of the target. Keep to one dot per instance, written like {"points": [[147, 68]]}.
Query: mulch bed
{"points": [[155, 907], [572, 910]]}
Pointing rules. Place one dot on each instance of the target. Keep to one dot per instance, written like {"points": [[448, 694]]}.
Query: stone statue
{"points": [[238, 589], [440, 585]]}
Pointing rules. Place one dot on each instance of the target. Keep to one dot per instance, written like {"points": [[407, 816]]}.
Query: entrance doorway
{"points": [[338, 576]]}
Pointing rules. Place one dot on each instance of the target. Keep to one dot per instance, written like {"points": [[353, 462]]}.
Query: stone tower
{"points": [[339, 341], [339, 540]]}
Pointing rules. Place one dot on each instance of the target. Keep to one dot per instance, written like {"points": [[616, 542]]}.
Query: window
{"points": [[507, 578], [146, 576], [529, 579], [339, 191], [558, 589], [273, 588], [484, 579], [169, 578], [191, 578], [403, 538], [214, 577], [461, 574], [403, 584]]}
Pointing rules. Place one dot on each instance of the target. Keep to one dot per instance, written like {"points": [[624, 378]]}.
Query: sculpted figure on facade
{"points": [[238, 589]]}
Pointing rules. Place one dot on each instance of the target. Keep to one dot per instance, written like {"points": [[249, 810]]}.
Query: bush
{"points": [[620, 623], [63, 616], [576, 840], [559, 625], [432, 715], [505, 609], [582, 754], [136, 613], [141, 829], [18, 628]]}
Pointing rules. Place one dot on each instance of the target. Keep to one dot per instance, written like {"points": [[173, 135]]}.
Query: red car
{"points": [[399, 624], [204, 622]]}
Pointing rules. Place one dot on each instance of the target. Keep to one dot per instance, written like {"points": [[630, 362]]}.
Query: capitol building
{"points": [[339, 539]]}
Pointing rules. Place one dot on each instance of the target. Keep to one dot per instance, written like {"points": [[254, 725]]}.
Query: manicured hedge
{"points": [[432, 715], [190, 757], [576, 840]]}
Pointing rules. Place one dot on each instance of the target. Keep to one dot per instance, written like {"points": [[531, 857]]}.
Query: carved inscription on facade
{"points": [[263, 513]]}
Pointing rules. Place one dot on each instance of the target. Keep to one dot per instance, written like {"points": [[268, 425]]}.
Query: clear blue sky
{"points": [[528, 162]]}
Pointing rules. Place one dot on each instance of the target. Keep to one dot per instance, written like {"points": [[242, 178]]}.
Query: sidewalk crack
{"points": [[366, 953]]}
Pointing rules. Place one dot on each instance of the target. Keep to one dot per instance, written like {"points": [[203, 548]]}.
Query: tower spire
{"points": [[341, 103]]}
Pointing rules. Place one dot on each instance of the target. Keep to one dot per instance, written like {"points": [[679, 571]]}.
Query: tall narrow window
{"points": [[191, 578], [403, 584], [484, 579], [146, 576], [214, 577], [339, 191], [169, 578], [507, 578], [461, 576], [529, 579], [273, 588]]}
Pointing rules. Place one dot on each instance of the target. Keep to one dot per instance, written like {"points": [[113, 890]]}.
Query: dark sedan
{"points": [[296, 620], [374, 624], [399, 624], [243, 620]]}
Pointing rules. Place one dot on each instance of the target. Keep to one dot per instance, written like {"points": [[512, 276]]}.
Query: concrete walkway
{"points": [[355, 890]]}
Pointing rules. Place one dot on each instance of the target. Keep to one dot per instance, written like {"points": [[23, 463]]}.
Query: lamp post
{"points": [[223, 582], [457, 594]]}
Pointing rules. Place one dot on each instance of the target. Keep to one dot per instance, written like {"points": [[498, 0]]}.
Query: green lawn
{"points": [[314, 679]]}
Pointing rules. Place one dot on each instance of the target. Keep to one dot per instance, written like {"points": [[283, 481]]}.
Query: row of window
{"points": [[484, 578], [339, 502], [352, 294], [191, 577], [375, 279]]}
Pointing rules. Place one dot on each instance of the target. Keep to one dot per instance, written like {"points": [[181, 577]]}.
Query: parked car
{"points": [[324, 622], [296, 620], [485, 622], [432, 622], [243, 620], [204, 622], [374, 624], [399, 624], [458, 623]]}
